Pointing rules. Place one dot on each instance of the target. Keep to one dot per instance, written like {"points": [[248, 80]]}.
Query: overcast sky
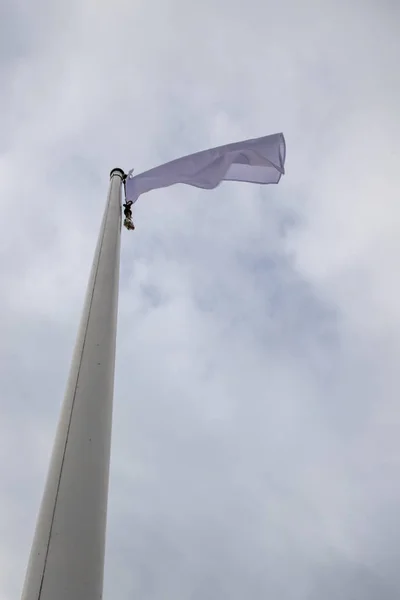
{"points": [[256, 446]]}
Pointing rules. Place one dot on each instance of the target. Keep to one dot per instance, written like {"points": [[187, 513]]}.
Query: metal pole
{"points": [[67, 555]]}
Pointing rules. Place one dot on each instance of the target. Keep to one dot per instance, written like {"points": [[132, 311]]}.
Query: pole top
{"points": [[119, 172]]}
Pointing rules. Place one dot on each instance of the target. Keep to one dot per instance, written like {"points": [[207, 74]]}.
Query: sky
{"points": [[256, 448]]}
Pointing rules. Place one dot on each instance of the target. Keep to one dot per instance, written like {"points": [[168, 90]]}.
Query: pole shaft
{"points": [[67, 555]]}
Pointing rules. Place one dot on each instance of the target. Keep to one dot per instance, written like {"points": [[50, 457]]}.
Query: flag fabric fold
{"points": [[259, 160]]}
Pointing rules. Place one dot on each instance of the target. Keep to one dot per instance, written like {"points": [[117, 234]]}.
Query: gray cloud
{"points": [[255, 445]]}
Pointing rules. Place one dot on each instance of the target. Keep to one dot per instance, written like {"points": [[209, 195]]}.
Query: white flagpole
{"points": [[67, 555]]}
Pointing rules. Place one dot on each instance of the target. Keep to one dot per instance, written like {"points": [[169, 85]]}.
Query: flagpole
{"points": [[67, 555]]}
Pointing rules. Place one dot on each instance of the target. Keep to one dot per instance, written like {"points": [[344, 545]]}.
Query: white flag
{"points": [[260, 160]]}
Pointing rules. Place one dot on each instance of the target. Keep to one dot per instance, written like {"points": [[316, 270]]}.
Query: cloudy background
{"points": [[256, 446]]}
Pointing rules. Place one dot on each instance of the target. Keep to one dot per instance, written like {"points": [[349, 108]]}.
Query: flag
{"points": [[259, 160]]}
